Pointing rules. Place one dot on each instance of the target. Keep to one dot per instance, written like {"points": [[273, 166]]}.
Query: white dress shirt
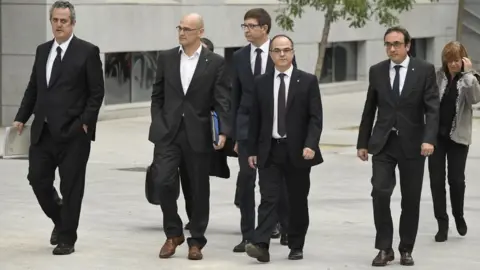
{"points": [[188, 64], [403, 72], [264, 54], [276, 88], [53, 55]]}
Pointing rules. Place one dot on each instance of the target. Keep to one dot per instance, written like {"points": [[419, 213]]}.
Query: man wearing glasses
{"points": [[189, 80], [248, 63], [284, 146]]}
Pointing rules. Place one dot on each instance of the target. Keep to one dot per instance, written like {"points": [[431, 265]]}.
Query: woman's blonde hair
{"points": [[453, 51]]}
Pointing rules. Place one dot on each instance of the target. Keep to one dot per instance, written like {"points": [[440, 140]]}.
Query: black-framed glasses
{"points": [[249, 26], [395, 44], [284, 50]]}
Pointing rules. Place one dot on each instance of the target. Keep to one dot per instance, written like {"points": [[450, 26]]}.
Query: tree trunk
{"points": [[322, 46]]}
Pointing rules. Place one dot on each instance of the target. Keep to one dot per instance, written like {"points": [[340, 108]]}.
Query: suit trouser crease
{"points": [[455, 155], [71, 158], [167, 159], [245, 196], [279, 172], [383, 183]]}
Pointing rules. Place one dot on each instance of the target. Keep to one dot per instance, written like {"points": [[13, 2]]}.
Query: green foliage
{"points": [[356, 12]]}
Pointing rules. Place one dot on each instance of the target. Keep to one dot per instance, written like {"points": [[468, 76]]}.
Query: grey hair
{"points": [[64, 4]]}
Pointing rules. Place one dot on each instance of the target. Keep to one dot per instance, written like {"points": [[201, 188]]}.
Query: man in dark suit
{"points": [[65, 92], [218, 166], [284, 133], [189, 80], [249, 62], [404, 91]]}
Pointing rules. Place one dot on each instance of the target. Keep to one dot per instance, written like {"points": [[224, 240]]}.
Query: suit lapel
{"points": [[270, 66], [292, 87], [410, 79], [270, 96], [202, 65], [386, 82], [246, 62], [177, 73], [43, 63]]}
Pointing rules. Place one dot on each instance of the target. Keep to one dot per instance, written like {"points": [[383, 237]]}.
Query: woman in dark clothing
{"points": [[459, 89]]}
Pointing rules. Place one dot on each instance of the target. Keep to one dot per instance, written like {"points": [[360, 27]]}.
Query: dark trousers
{"points": [[245, 196], [277, 173], [167, 159], [71, 159], [456, 155], [186, 188], [383, 184]]}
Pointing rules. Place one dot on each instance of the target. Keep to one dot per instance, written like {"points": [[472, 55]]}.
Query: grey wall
{"points": [[142, 25]]}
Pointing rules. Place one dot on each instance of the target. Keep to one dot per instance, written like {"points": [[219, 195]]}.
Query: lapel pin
{"points": [[413, 69], [298, 80], [206, 60]]}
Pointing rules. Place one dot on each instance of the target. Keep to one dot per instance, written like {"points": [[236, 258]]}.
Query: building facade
{"points": [[131, 32]]}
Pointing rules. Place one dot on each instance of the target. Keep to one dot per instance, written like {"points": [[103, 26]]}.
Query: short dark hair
{"points": [[208, 43], [261, 15], [406, 36], [280, 35]]}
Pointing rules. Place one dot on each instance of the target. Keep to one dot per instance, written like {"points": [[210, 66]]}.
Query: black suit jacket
{"points": [[304, 118], [208, 86], [73, 98], [242, 91], [416, 113]]}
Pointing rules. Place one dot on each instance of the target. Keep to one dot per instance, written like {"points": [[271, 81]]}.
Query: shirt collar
{"points": [[265, 46], [64, 45], [403, 64], [287, 72], [196, 53]]}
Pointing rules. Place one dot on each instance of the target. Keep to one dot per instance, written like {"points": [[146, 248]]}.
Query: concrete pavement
{"points": [[119, 230]]}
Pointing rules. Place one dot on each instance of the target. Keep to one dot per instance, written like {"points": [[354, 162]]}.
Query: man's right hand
{"points": [[235, 148], [18, 126], [362, 154], [252, 162]]}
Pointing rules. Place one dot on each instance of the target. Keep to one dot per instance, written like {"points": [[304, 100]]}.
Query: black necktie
{"points": [[258, 63], [56, 66], [281, 123], [396, 81]]}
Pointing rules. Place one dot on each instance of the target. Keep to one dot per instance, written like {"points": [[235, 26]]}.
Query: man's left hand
{"points": [[308, 153], [427, 149], [85, 128], [221, 142]]}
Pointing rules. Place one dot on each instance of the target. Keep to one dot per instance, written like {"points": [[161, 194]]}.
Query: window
{"points": [[129, 76], [340, 62], [418, 48]]}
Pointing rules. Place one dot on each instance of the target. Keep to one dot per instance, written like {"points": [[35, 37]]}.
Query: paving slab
{"points": [[119, 230]]}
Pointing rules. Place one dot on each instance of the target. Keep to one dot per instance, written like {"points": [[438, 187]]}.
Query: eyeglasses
{"points": [[280, 51], [395, 44], [249, 26], [186, 29]]}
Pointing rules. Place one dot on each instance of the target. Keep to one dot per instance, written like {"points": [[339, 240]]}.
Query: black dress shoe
{"points": [[442, 235], [54, 237], [284, 239], [295, 254], [240, 247], [383, 257], [63, 249], [187, 227], [406, 259], [257, 252], [461, 226]]}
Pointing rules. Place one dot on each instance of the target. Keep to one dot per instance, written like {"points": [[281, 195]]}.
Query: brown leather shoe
{"points": [[194, 253], [168, 249]]}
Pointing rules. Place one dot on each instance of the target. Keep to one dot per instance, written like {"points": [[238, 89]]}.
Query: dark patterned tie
{"points": [[282, 111], [258, 63]]}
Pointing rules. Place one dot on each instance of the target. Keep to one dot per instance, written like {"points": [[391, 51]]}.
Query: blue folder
{"points": [[215, 128]]}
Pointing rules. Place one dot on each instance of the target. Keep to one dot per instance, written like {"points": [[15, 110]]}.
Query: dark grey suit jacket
{"points": [[170, 106], [415, 114]]}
